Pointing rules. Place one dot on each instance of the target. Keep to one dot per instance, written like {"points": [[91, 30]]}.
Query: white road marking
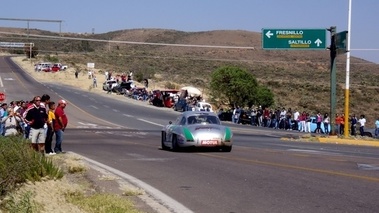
{"points": [[94, 106], [87, 124], [312, 151], [116, 110], [363, 166], [150, 122], [8, 79], [1, 83], [129, 116]]}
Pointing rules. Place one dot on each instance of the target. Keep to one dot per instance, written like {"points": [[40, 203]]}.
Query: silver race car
{"points": [[196, 129]]}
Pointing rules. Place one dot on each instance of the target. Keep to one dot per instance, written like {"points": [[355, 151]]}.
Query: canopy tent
{"points": [[192, 90]]}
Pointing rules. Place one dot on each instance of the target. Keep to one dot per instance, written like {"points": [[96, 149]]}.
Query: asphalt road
{"points": [[261, 174]]}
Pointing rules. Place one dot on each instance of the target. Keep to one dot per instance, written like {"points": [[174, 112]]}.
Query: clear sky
{"points": [[82, 16]]}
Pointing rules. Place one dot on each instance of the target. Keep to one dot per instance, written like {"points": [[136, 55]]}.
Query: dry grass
{"points": [[73, 193]]}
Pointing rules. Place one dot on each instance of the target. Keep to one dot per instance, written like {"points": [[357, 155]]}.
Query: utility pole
{"points": [[333, 77], [347, 87]]}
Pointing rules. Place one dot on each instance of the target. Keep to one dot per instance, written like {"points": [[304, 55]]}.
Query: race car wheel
{"points": [[163, 139], [175, 146], [226, 148]]}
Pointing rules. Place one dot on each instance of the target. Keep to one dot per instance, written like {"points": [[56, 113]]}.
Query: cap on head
{"points": [[62, 102]]}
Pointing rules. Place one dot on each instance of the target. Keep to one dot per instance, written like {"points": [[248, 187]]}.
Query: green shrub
{"points": [[19, 163], [138, 76], [53, 59]]}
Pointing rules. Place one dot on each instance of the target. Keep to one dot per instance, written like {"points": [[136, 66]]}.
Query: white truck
{"points": [[203, 106], [61, 66]]}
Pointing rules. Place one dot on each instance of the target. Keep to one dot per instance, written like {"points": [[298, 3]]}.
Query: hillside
{"points": [[299, 79]]}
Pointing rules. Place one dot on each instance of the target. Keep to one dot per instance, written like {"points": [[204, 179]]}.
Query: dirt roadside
{"points": [[51, 193]]}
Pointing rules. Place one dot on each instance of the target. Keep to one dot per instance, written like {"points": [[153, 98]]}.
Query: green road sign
{"points": [[304, 39], [341, 42]]}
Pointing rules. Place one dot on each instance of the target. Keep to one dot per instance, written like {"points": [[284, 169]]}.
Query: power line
{"points": [[167, 44], [134, 42]]}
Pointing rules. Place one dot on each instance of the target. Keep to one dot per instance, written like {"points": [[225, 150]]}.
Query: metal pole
{"points": [[347, 92], [28, 29], [333, 76], [30, 53]]}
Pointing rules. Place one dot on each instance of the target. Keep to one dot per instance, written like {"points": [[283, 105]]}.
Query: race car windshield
{"points": [[208, 119]]}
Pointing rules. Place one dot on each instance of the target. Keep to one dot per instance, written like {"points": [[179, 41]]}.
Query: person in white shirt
{"points": [[234, 114], [296, 119], [362, 122]]}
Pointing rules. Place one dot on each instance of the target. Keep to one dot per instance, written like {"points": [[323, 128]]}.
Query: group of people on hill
{"points": [[293, 120], [37, 120]]}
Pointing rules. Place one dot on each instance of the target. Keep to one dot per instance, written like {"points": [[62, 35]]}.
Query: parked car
{"points": [[163, 98], [42, 66], [225, 115], [203, 106], [55, 68], [196, 129], [245, 117], [313, 125], [46, 68], [61, 66], [113, 84], [123, 87]]}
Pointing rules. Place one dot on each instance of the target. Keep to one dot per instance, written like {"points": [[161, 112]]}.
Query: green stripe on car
{"points": [[228, 134], [187, 134]]}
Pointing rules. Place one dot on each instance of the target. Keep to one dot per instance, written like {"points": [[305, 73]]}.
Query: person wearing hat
{"points": [[60, 125], [11, 122]]}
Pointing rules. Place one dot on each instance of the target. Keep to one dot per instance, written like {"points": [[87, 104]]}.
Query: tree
{"points": [[264, 96], [233, 86]]}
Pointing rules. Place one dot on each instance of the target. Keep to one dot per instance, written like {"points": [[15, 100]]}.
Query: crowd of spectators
{"points": [[290, 120], [37, 120]]}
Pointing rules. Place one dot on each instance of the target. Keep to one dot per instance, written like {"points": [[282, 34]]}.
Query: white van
{"points": [[41, 66]]}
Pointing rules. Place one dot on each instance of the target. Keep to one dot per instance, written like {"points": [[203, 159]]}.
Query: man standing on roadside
{"points": [[60, 125], [36, 118], [362, 122]]}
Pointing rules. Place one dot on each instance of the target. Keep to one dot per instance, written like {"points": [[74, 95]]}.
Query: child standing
{"points": [[50, 129]]}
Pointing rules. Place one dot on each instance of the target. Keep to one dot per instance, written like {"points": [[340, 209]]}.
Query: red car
{"points": [[46, 69], [55, 68]]}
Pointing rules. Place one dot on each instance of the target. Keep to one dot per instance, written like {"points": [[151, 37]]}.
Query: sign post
{"points": [[341, 42], [304, 39]]}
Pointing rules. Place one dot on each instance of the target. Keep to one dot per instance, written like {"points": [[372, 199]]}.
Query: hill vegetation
{"points": [[298, 79]]}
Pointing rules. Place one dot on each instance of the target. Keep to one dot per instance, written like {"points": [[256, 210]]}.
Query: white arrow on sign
{"points": [[318, 42], [269, 34]]}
